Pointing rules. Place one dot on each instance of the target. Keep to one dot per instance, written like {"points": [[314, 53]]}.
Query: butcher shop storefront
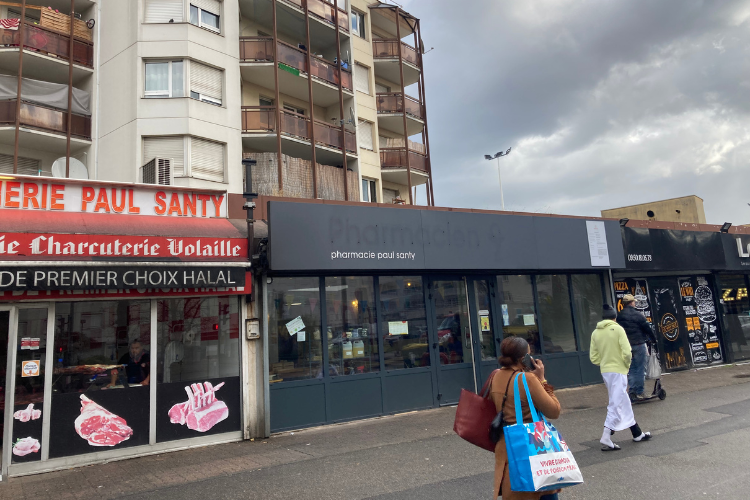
{"points": [[120, 314]]}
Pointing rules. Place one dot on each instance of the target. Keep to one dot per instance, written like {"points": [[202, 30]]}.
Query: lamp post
{"points": [[499, 177]]}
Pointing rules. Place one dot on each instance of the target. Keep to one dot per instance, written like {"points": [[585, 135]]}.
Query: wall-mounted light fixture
{"points": [[725, 227], [624, 222]]}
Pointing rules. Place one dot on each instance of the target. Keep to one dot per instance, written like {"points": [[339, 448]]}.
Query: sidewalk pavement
{"points": [[203, 466]]}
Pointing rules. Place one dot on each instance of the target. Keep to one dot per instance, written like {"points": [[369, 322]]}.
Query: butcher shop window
{"points": [[197, 339], [295, 346]]}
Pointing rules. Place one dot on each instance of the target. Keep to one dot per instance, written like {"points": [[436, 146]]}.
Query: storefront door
{"points": [[24, 330], [451, 338], [485, 324]]}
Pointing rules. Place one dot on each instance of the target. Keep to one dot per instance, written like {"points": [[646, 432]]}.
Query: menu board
{"points": [[701, 322], [638, 288], [669, 330]]}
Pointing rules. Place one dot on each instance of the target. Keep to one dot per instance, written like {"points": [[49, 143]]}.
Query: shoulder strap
{"points": [[485, 392], [505, 396], [517, 400]]}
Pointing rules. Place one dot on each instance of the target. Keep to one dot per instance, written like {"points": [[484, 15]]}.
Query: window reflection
{"points": [[351, 326], [294, 308], [405, 342], [554, 311], [589, 303], [517, 309], [483, 301], [452, 315], [736, 305]]}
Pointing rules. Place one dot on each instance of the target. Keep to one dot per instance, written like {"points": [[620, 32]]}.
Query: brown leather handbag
{"points": [[474, 416]]}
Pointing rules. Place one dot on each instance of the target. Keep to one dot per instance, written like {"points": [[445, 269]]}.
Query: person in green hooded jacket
{"points": [[610, 350]]}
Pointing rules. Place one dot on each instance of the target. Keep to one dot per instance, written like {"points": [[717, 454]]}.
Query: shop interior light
{"points": [[6, 178], [296, 303], [725, 227], [624, 222]]}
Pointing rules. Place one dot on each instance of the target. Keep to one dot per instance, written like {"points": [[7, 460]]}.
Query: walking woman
{"points": [[611, 350], [513, 350]]}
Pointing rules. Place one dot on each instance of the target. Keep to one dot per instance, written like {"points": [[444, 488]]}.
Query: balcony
{"points": [[256, 58], [385, 54], [48, 54], [391, 107], [325, 11], [393, 165], [259, 128], [43, 128]]}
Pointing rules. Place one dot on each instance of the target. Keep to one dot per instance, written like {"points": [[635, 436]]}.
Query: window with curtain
{"points": [[165, 79], [362, 78], [169, 147], [588, 301], [164, 11], [555, 316], [205, 83], [206, 159], [365, 134], [206, 14]]}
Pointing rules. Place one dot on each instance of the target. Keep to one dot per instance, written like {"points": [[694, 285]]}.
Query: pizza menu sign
{"points": [[63, 196]]}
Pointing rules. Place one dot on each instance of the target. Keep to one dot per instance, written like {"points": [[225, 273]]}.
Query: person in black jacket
{"points": [[639, 333]]}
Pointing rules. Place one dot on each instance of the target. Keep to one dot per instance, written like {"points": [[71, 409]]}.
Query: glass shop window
{"points": [[197, 339], [588, 301], [352, 326], [405, 341], [737, 313], [517, 309], [554, 313], [295, 348]]}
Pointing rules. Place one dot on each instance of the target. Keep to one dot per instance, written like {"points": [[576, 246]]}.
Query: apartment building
{"points": [[187, 88]]}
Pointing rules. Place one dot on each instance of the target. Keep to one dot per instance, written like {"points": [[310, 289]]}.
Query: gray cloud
{"points": [[605, 103]]}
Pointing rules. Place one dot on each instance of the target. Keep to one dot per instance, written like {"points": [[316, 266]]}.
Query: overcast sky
{"points": [[605, 103]]}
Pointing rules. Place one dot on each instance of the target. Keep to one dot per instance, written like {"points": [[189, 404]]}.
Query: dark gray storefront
{"points": [[400, 308]]}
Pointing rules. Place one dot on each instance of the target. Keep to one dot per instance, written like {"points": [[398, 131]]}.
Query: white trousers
{"points": [[619, 411]]}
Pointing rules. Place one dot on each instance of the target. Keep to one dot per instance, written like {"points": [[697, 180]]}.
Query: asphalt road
{"points": [[701, 449]]}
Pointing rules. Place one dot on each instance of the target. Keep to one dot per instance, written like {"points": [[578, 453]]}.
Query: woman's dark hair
{"points": [[512, 350]]}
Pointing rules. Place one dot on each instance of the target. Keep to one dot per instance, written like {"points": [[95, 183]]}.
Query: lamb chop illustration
{"points": [[202, 410]]}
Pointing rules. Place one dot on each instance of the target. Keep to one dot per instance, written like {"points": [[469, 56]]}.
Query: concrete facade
{"points": [[687, 209]]}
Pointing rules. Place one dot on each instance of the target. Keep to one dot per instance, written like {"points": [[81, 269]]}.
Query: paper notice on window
{"points": [[485, 323], [398, 327], [295, 325], [506, 317], [301, 336], [528, 319], [597, 243]]}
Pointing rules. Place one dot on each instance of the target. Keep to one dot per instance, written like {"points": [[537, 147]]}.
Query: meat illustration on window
{"points": [[28, 414], [26, 446], [100, 427], [202, 410]]}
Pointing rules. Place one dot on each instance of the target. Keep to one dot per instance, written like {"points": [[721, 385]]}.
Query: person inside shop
{"points": [[639, 333], [137, 364], [610, 350]]}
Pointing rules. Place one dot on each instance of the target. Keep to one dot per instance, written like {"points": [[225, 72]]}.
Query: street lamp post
{"points": [[499, 177]]}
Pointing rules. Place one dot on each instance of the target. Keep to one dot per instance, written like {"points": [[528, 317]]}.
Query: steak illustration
{"points": [[28, 414], [26, 446], [100, 427], [202, 410]]}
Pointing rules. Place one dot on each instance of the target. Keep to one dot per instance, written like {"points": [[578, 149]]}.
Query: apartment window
{"points": [[292, 109], [362, 78], [205, 83], [164, 11], [265, 101], [365, 134], [382, 89], [26, 166], [206, 158], [205, 13], [165, 79], [358, 24], [369, 190], [389, 195]]}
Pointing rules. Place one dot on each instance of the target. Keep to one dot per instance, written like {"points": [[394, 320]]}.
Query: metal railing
{"points": [[396, 158], [323, 9], [45, 118], [256, 48], [262, 119], [388, 49], [44, 41], [393, 102]]}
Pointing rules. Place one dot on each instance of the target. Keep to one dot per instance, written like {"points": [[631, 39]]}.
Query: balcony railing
{"points": [[45, 118], [260, 49], [388, 49], [396, 158], [256, 48], [263, 119], [394, 103], [324, 10], [45, 41]]}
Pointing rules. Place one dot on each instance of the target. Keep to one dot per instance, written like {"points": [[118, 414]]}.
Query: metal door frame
{"points": [[10, 378], [497, 330]]}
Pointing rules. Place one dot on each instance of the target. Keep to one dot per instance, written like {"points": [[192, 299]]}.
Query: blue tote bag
{"points": [[538, 457]]}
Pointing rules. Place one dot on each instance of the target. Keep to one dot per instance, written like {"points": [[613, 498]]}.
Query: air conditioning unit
{"points": [[158, 171]]}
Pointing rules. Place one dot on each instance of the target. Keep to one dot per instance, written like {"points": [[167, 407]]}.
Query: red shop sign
{"points": [[48, 246]]}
